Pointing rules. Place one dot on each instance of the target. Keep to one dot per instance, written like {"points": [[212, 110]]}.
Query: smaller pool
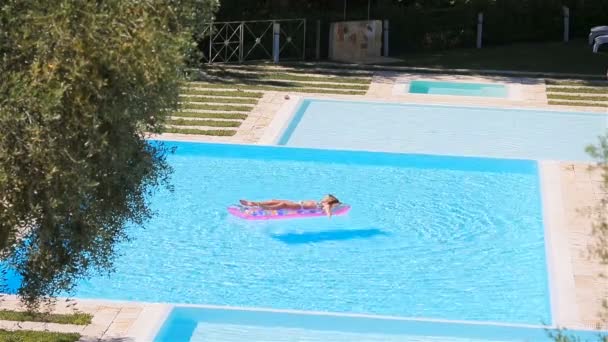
{"points": [[458, 88], [199, 324]]}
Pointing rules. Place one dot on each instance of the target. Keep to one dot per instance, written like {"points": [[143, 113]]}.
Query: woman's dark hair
{"points": [[332, 199]]}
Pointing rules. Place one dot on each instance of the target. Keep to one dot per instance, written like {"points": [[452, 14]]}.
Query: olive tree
{"points": [[80, 83]]}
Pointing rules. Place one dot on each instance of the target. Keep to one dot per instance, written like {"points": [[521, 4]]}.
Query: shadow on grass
{"points": [[328, 235]]}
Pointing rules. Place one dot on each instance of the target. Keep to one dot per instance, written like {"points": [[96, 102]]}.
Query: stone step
{"points": [[214, 111], [209, 97], [203, 128], [579, 101], [250, 105], [201, 119]]}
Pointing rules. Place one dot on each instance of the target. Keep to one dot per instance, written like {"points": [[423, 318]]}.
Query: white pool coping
{"points": [[564, 308]]}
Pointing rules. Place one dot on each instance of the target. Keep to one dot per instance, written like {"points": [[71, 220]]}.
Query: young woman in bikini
{"points": [[326, 204]]}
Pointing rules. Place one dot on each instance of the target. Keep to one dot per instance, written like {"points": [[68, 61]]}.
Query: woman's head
{"points": [[331, 199]]}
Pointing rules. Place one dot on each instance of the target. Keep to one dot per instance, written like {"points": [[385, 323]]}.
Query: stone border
{"points": [[281, 121], [564, 308]]}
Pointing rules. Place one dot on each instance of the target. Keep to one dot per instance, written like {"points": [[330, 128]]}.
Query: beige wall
{"points": [[354, 41]]}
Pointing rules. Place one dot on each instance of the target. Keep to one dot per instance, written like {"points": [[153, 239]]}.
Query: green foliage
{"points": [[37, 336], [599, 248], [562, 335], [81, 81], [24, 316], [574, 57]]}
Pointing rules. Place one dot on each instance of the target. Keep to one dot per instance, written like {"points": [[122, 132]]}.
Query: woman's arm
{"points": [[327, 209]]}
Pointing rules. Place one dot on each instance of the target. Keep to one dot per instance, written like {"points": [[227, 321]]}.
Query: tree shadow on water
{"points": [[328, 235]]}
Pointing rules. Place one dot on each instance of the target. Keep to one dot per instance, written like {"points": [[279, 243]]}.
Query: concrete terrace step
{"points": [[580, 103], [582, 96], [190, 85], [203, 128], [577, 83], [215, 111], [581, 93], [173, 117], [581, 86], [210, 97], [579, 100], [230, 104]]}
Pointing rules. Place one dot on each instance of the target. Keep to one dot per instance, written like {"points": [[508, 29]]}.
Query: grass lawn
{"points": [[573, 57], [37, 336], [76, 318], [215, 132]]}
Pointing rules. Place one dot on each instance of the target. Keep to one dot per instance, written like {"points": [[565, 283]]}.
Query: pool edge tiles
{"points": [[182, 321], [356, 157]]}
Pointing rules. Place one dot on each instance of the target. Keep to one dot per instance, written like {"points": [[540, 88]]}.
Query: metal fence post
{"points": [[479, 29], [241, 41], [318, 46], [210, 43], [276, 29], [385, 38], [566, 12]]}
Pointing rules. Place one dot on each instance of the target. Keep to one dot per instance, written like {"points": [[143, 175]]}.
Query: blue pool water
{"points": [[427, 236], [458, 88], [446, 130], [193, 324]]}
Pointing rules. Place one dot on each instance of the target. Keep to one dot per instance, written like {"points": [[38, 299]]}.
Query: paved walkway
{"points": [[582, 191]]}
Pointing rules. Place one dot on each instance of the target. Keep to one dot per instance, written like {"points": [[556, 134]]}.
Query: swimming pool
{"points": [[427, 236], [446, 130], [196, 324], [458, 88]]}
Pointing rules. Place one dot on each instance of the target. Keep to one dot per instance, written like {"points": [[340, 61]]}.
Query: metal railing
{"points": [[239, 41]]}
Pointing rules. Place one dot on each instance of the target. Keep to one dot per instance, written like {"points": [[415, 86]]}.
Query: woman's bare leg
{"points": [[262, 204]]}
